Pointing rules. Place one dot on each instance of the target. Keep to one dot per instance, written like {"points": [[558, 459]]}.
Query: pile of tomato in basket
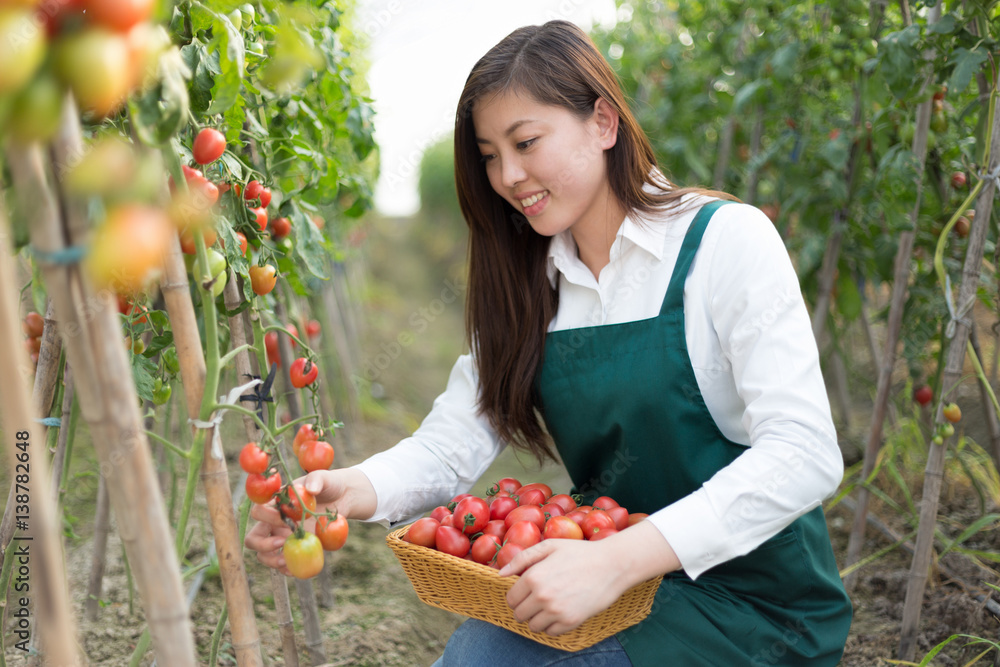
{"points": [[512, 517]]}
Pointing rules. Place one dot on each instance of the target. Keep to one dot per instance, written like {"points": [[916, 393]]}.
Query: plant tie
{"points": [[216, 420]]}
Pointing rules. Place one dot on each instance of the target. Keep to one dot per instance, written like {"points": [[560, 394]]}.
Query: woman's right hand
{"points": [[344, 490]]}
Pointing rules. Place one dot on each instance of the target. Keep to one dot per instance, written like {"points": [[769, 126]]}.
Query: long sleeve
{"points": [[793, 461], [451, 449]]}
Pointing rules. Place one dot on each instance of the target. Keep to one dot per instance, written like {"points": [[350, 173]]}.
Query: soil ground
{"points": [[377, 619]]}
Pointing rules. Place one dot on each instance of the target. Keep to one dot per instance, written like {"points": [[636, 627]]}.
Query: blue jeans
{"points": [[481, 644]]}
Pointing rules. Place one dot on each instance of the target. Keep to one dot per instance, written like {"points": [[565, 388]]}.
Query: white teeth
{"points": [[533, 199]]}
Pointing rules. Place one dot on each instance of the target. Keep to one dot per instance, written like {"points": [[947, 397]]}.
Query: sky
{"points": [[421, 53]]}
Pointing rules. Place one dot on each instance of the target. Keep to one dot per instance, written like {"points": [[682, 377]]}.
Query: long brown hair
{"points": [[510, 299]]}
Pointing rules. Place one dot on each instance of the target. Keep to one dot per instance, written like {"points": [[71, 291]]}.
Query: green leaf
{"points": [[966, 64], [747, 93], [309, 243], [972, 529], [196, 57], [229, 43], [143, 371], [946, 25], [848, 297]]}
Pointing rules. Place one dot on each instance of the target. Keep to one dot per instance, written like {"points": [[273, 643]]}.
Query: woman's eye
{"points": [[486, 158], [522, 145]]}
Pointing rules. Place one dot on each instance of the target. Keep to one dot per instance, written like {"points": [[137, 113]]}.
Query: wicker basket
{"points": [[478, 591]]}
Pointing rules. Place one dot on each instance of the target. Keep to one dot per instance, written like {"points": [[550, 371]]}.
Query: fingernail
{"points": [[278, 542], [504, 571], [281, 562]]}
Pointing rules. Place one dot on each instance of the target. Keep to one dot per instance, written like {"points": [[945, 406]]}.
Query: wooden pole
{"points": [[900, 282], [38, 550]]}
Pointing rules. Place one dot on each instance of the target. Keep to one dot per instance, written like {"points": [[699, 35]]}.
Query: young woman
{"points": [[659, 336]]}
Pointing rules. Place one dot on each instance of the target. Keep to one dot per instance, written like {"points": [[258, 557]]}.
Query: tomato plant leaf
{"points": [[965, 63], [161, 111], [143, 370], [228, 43], [309, 243]]}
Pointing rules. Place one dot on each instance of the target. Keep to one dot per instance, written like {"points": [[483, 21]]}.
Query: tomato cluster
{"points": [[33, 325], [303, 550], [101, 50], [491, 530]]}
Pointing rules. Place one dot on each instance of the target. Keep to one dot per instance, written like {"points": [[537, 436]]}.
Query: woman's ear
{"points": [[606, 118]]}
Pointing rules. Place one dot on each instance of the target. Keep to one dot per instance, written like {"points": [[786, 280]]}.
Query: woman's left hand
{"points": [[565, 582]]}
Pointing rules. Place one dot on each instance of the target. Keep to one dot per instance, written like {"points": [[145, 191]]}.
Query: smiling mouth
{"points": [[534, 199]]}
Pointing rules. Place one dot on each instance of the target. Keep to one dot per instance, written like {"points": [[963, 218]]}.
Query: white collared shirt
{"points": [[754, 355]]}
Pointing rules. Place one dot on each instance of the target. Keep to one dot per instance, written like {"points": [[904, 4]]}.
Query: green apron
{"points": [[624, 408]]}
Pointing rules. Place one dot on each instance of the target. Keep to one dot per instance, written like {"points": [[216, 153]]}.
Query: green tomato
{"points": [[170, 361], [35, 111], [236, 18], [161, 392], [22, 47], [217, 269], [248, 12]]}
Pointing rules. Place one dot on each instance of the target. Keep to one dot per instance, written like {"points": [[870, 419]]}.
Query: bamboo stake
{"points": [[957, 349], [91, 334], [900, 282], [102, 528], [59, 456], [244, 368], [304, 587], [42, 393], [199, 398], [992, 422], [336, 325], [39, 550]]}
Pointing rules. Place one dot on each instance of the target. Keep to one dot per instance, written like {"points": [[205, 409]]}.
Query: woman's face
{"points": [[545, 161]]}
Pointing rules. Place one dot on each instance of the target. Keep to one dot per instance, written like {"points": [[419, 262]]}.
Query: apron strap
{"points": [[675, 290]]}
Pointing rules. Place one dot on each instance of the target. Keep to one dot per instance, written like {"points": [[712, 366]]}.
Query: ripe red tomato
{"points": [[605, 503], [501, 507], [332, 533], [959, 180], [280, 228], [263, 279], [523, 533], [595, 522], [208, 146], [636, 517], [303, 372], [923, 395], [448, 520], [532, 513], [253, 459], [507, 553], [485, 548], [118, 15], [551, 509], [293, 509], [243, 242], [265, 197], [303, 555], [254, 188], [564, 501], [620, 516], [33, 325], [508, 484], [261, 489], [312, 328], [952, 413], [315, 455], [471, 515], [271, 347], [600, 535], [452, 541], [440, 512], [260, 217], [562, 527], [531, 497], [187, 239], [422, 532], [495, 527], [306, 432], [544, 488]]}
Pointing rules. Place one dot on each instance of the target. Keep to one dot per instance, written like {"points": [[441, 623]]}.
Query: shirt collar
{"points": [[648, 235]]}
